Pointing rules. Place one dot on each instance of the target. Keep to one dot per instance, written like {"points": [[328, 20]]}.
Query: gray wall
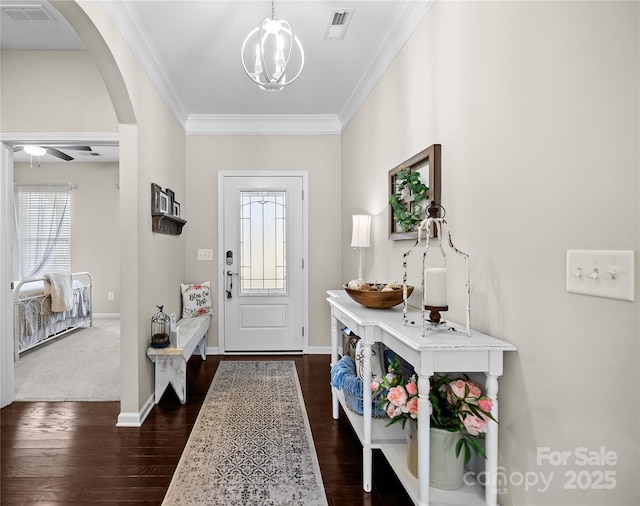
{"points": [[95, 237], [317, 154], [62, 92], [536, 106], [54, 91]]}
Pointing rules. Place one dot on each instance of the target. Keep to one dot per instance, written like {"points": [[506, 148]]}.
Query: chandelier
{"points": [[270, 50]]}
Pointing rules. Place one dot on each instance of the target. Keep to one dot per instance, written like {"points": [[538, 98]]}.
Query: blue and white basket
{"points": [[344, 377]]}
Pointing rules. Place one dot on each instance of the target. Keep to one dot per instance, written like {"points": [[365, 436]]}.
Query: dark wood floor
{"points": [[63, 453]]}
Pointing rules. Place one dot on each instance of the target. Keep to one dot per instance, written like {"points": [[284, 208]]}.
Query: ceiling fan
{"points": [[36, 150]]}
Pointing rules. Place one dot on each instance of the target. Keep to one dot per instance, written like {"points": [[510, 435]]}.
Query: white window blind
{"points": [[43, 216]]}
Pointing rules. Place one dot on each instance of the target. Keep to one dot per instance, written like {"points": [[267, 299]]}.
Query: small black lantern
{"points": [[160, 329]]}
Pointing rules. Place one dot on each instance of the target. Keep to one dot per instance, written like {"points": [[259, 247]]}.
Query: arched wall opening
{"points": [[152, 150], [124, 111]]}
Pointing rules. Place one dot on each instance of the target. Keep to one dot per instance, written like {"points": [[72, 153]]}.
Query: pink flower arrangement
{"points": [[400, 395], [457, 405]]}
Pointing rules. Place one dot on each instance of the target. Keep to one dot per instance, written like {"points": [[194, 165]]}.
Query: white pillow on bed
{"points": [[196, 299]]}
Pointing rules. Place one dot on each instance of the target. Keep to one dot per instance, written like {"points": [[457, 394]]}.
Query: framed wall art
{"points": [[172, 196], [412, 186], [165, 212], [163, 202], [155, 198]]}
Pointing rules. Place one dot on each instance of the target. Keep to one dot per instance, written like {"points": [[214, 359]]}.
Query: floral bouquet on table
{"points": [[457, 405]]}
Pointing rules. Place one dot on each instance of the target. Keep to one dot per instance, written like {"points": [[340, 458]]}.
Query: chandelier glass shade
{"points": [[272, 56]]}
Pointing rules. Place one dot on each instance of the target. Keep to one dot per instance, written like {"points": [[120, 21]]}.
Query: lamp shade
{"points": [[361, 233]]}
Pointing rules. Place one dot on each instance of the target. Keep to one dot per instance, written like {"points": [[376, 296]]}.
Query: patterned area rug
{"points": [[251, 443]]}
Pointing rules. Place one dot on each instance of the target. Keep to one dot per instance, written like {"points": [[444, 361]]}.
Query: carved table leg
{"points": [[491, 443], [367, 453], [334, 358], [424, 439]]}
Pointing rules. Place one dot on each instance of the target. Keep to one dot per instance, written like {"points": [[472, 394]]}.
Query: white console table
{"points": [[438, 350], [171, 362]]}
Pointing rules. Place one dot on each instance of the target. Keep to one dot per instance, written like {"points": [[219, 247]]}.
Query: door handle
{"points": [[230, 283]]}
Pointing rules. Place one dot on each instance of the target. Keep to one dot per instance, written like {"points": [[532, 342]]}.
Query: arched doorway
{"points": [[123, 108]]}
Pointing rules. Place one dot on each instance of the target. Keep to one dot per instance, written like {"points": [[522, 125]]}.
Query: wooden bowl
{"points": [[377, 299]]}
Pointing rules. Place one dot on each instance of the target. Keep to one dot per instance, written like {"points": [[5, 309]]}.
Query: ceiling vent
{"points": [[339, 20], [26, 13]]}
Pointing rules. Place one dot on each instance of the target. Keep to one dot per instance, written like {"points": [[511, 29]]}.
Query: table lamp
{"points": [[361, 236]]}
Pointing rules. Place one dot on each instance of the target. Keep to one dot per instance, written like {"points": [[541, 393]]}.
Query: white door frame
{"points": [[7, 257], [221, 267], [8, 245]]}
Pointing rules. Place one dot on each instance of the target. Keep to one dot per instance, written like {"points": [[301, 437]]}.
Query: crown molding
{"points": [[263, 124], [130, 26], [105, 139], [405, 20]]}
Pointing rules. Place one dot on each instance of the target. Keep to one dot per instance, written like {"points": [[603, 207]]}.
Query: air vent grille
{"points": [[26, 13], [339, 20]]}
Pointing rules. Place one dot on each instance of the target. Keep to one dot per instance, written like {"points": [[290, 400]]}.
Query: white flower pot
{"points": [[446, 470]]}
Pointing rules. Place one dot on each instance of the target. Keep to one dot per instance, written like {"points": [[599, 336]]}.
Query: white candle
{"points": [[435, 287]]}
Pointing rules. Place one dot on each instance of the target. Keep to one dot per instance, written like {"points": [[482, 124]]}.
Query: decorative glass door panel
{"points": [[263, 242]]}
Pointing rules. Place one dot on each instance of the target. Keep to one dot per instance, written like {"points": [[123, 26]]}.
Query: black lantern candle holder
{"points": [[160, 329]]}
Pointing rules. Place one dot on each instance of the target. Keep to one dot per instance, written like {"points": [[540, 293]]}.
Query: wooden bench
{"points": [[171, 362]]}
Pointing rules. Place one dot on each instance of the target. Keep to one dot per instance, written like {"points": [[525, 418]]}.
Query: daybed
{"points": [[34, 320]]}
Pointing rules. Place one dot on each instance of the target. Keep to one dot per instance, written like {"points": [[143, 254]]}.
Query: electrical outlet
{"points": [[110, 296]]}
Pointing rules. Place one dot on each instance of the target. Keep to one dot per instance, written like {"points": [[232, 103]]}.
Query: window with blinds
{"points": [[43, 215]]}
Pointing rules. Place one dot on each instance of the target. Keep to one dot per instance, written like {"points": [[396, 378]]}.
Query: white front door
{"points": [[262, 260]]}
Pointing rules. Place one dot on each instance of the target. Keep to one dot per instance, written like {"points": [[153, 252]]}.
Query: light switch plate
{"points": [[601, 273], [205, 254]]}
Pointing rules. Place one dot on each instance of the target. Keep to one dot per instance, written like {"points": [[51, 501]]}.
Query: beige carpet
{"points": [[251, 444], [83, 365]]}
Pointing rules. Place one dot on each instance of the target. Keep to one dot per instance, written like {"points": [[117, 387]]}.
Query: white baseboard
{"points": [[106, 315], [136, 419], [313, 350]]}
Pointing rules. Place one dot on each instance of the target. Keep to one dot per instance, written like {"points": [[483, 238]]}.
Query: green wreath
{"points": [[405, 218]]}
